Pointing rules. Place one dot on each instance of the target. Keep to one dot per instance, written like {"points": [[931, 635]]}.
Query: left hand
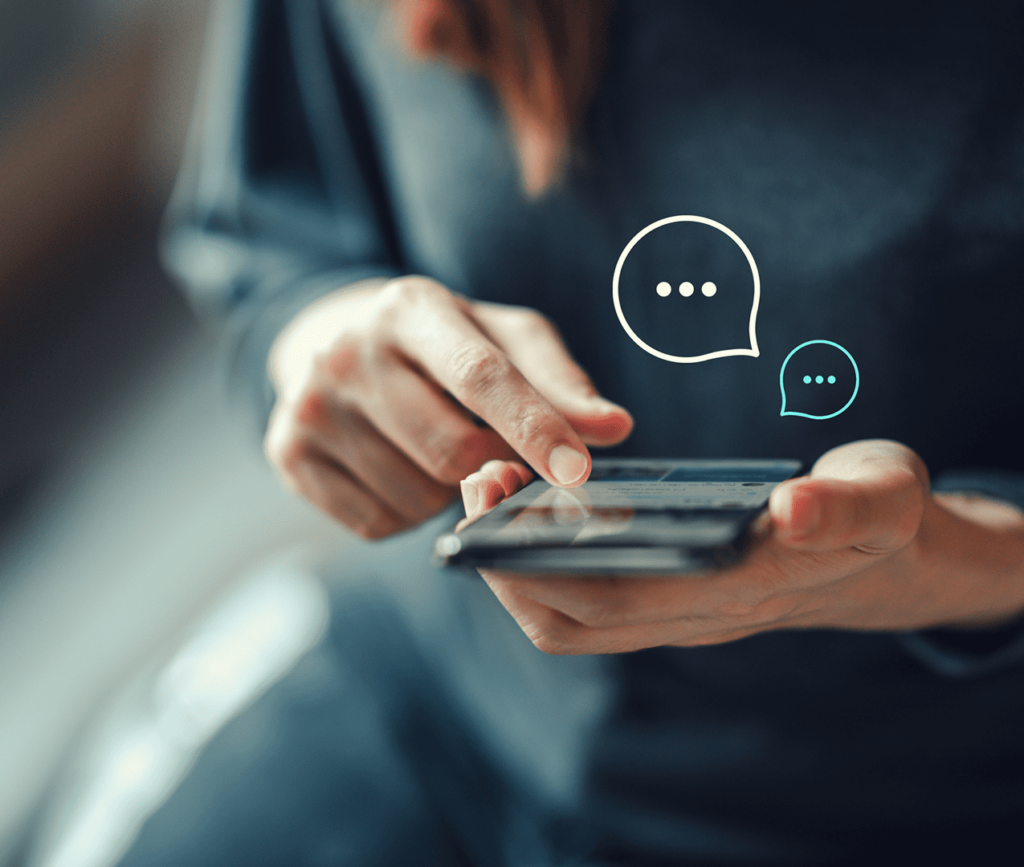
{"points": [[859, 544]]}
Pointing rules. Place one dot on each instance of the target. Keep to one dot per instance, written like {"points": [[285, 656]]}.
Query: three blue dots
{"points": [[819, 380]]}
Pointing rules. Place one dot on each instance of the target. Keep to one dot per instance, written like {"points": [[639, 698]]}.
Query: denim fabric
{"points": [[424, 729]]}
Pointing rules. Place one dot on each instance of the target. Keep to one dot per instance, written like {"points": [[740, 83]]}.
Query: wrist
{"points": [[976, 552]]}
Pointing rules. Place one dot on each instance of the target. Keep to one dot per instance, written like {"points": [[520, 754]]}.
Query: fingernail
{"points": [[804, 514], [595, 403], [602, 405], [566, 464], [470, 497], [492, 493]]}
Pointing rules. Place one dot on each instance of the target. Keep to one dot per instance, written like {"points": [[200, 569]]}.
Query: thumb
{"points": [[867, 495]]}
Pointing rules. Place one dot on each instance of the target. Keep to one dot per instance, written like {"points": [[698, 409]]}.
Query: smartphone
{"points": [[631, 516]]}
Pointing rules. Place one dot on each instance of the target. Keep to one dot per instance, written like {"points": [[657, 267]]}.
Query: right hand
{"points": [[377, 385]]}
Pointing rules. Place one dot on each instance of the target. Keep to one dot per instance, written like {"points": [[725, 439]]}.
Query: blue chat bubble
{"points": [[819, 379]]}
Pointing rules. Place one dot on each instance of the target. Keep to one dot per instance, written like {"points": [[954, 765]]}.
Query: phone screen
{"points": [[668, 514]]}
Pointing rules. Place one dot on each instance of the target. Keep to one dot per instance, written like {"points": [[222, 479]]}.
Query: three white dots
{"points": [[686, 289]]}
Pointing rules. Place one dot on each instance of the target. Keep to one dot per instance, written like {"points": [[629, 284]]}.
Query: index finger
{"points": [[435, 333], [536, 348]]}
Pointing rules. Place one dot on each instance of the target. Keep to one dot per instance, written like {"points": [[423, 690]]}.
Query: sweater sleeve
{"points": [[972, 653], [281, 197]]}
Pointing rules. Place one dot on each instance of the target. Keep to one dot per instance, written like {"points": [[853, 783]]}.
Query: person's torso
{"points": [[871, 157]]}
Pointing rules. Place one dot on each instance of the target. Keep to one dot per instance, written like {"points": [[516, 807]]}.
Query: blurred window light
{"points": [[253, 638]]}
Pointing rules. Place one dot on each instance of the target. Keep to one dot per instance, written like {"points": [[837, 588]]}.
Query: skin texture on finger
{"points": [[774, 587], [315, 475], [314, 330], [765, 589], [535, 347], [965, 580], [346, 436], [858, 544], [614, 614], [554, 632], [952, 572], [439, 337], [869, 495], [332, 490], [425, 423]]}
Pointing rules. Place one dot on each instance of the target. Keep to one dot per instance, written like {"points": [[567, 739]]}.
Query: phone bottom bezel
{"points": [[598, 560]]}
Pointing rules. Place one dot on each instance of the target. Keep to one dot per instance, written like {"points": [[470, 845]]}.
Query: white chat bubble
{"points": [[672, 299]]}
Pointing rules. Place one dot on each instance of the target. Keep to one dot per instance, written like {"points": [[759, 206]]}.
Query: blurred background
{"points": [[153, 574]]}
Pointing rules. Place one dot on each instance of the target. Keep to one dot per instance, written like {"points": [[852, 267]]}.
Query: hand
{"points": [[858, 544], [377, 385]]}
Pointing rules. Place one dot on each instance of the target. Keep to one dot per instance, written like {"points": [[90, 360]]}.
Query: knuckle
{"points": [[476, 369], [374, 532], [449, 458], [556, 634], [533, 423], [293, 456], [344, 363], [313, 410], [398, 294], [549, 643], [275, 437], [529, 319], [374, 524], [446, 468], [426, 502], [434, 500], [361, 530], [285, 450], [404, 293], [467, 447]]}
